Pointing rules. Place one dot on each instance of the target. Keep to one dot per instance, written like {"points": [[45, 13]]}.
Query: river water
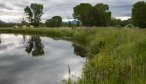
{"points": [[28, 59]]}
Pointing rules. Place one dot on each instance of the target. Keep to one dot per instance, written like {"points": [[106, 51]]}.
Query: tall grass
{"points": [[114, 56], [54, 32]]}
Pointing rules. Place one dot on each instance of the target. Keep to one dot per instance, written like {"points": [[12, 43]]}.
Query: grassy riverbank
{"points": [[115, 56]]}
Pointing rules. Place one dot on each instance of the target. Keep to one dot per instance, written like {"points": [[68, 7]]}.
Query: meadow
{"points": [[114, 56]]}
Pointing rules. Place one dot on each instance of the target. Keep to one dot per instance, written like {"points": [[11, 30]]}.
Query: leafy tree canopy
{"points": [[55, 21], [98, 15], [34, 13], [139, 14]]}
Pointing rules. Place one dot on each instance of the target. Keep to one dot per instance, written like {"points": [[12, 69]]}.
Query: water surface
{"points": [[36, 60]]}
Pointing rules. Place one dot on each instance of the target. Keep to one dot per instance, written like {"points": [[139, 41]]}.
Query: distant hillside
{"points": [[74, 22], [2, 22]]}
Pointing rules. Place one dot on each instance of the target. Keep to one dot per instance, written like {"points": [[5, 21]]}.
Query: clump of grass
{"points": [[81, 37], [39, 31], [117, 57]]}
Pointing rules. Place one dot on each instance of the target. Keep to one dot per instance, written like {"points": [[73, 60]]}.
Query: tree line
{"points": [[87, 15]]}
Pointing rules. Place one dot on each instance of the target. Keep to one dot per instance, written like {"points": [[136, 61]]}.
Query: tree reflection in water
{"points": [[0, 39], [79, 50], [24, 39], [35, 47]]}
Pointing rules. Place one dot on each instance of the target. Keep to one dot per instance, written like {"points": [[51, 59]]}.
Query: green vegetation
{"points": [[98, 15], [34, 13], [55, 32], [114, 56], [55, 21], [115, 22], [139, 14]]}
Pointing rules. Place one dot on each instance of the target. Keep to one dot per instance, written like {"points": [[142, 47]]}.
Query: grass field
{"points": [[114, 56]]}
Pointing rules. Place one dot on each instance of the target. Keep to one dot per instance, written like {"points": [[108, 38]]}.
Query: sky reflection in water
{"points": [[46, 62]]}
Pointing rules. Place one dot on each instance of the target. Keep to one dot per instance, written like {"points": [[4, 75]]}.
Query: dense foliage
{"points": [[98, 15], [34, 13], [55, 21], [139, 14], [115, 22]]}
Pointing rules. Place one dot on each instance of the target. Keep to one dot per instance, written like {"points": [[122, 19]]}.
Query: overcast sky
{"points": [[13, 10]]}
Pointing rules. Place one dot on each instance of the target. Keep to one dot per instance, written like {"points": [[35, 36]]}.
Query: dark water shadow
{"points": [[79, 50], [34, 46]]}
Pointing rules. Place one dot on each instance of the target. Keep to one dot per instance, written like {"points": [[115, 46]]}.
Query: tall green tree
{"points": [[139, 14], [98, 15], [55, 21], [34, 13], [58, 20], [82, 12], [103, 14]]}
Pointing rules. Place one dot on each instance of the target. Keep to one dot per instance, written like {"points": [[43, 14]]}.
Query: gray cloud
{"points": [[9, 9], [5, 6]]}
